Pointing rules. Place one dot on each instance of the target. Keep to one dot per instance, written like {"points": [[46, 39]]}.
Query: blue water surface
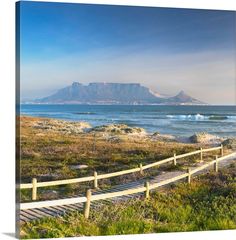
{"points": [[175, 120]]}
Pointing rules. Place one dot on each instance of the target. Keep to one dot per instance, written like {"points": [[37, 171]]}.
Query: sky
{"points": [[165, 49]]}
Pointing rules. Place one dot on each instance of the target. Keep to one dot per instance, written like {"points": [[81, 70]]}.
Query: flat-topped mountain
{"points": [[113, 93]]}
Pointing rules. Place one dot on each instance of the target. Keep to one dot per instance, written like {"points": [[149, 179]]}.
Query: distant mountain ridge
{"points": [[182, 97], [114, 93]]}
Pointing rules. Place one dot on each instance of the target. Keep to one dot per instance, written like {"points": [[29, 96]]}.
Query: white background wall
{"points": [[7, 113]]}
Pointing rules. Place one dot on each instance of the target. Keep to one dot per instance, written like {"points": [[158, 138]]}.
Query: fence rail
{"points": [[147, 187], [34, 184]]}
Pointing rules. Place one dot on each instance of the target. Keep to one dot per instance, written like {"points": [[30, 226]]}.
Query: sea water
{"points": [[175, 120]]}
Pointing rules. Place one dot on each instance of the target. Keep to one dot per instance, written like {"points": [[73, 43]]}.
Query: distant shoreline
{"points": [[99, 104], [118, 104]]}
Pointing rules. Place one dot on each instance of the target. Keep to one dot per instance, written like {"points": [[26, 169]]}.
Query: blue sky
{"points": [[165, 49]]}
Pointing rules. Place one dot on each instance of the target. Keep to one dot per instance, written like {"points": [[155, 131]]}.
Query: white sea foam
{"points": [[200, 117], [188, 117], [231, 117]]}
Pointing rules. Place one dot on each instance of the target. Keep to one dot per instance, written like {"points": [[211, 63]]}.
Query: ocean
{"points": [[175, 120]]}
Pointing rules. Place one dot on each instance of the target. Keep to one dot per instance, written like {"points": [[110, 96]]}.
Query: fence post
{"points": [[201, 154], [222, 150], [87, 203], [95, 180], [175, 159], [141, 168], [146, 185], [34, 189], [216, 164], [189, 175]]}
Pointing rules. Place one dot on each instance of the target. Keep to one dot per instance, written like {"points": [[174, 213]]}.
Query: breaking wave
{"points": [[198, 117]]}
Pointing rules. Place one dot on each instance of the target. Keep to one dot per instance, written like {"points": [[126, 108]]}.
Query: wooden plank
{"points": [[125, 186], [115, 174], [60, 208], [50, 212], [198, 169], [227, 156], [112, 190], [158, 163], [106, 201], [130, 184], [188, 154], [38, 213], [70, 207], [73, 207], [118, 188], [27, 215], [54, 211], [211, 149], [79, 205], [26, 185], [59, 212], [67, 208], [117, 194], [66, 181], [51, 203], [23, 218], [165, 182], [22, 221]]}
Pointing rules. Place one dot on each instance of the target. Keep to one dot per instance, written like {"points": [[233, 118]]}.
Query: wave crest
{"points": [[198, 117]]}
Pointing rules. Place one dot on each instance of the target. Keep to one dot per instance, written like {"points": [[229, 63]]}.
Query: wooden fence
{"points": [[34, 184], [145, 189]]}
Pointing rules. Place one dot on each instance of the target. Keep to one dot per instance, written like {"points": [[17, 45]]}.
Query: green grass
{"points": [[209, 203]]}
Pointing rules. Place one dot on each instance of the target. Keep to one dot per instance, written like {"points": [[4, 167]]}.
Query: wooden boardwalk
{"points": [[37, 213]]}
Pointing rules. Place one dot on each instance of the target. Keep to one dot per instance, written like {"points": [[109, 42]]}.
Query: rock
{"points": [[113, 139], [163, 137], [49, 194], [78, 167], [118, 129], [48, 176], [205, 138], [230, 143]]}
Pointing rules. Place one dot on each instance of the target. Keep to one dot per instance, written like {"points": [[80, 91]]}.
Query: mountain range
{"points": [[115, 93]]}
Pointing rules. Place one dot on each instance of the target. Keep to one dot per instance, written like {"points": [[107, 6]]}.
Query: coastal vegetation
{"points": [[55, 149]]}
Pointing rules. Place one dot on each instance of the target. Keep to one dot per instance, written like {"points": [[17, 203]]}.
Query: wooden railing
{"points": [[145, 189], [34, 184]]}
